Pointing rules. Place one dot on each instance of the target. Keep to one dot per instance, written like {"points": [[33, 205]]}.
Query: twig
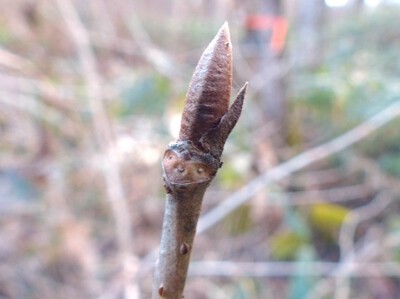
{"points": [[298, 162], [15, 62], [347, 234], [378, 176], [154, 56], [361, 256], [46, 92], [355, 217], [339, 194], [192, 162], [288, 269], [28, 105], [102, 128]]}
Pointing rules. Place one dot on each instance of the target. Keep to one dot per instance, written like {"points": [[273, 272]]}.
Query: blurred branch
{"points": [[102, 128], [355, 217], [287, 269], [348, 264], [309, 197], [378, 176], [154, 56], [358, 267], [26, 104], [49, 95], [20, 208], [347, 235], [315, 178], [15, 62], [298, 162]]}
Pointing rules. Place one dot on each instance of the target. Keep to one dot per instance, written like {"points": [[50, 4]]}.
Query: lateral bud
{"points": [[214, 140]]}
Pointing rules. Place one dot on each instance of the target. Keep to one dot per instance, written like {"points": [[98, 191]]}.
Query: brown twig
{"points": [[191, 163]]}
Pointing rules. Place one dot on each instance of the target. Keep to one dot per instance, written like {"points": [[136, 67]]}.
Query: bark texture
{"points": [[190, 164]]}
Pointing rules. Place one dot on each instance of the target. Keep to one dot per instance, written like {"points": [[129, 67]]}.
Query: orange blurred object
{"points": [[276, 24]]}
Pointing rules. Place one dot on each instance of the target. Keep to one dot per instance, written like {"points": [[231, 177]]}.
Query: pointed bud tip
{"points": [[244, 88], [207, 99], [225, 27], [242, 91], [224, 31]]}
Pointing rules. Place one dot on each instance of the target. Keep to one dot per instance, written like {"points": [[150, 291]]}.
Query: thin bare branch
{"points": [[287, 269], [363, 255], [162, 62], [15, 62], [309, 197], [347, 235], [102, 127], [297, 163]]}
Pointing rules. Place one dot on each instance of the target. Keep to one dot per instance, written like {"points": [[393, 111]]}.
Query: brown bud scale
{"points": [[209, 92]]}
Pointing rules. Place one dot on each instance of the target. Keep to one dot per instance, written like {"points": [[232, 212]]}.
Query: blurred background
{"points": [[91, 94]]}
